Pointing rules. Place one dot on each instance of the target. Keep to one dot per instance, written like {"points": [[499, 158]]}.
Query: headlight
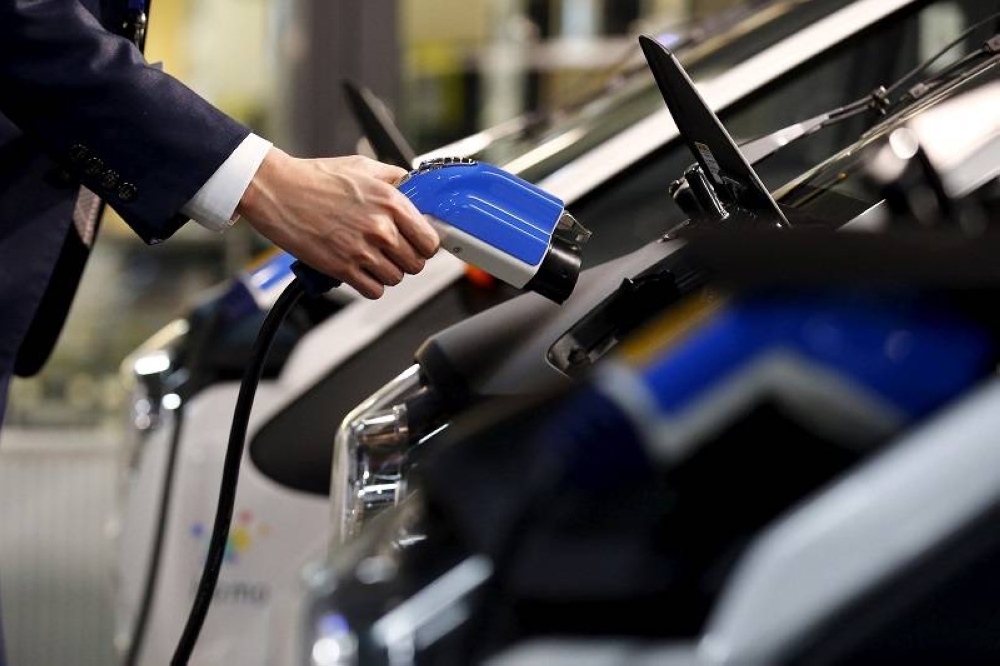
{"points": [[370, 456], [346, 595], [384, 596], [147, 374], [334, 643]]}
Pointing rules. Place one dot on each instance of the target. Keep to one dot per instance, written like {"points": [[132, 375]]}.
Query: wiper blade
{"points": [[759, 149], [989, 49], [925, 65], [880, 100]]}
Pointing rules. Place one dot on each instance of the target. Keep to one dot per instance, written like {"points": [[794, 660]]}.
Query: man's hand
{"points": [[342, 216]]}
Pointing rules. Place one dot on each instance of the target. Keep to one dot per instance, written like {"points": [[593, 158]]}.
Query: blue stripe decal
{"points": [[914, 354], [272, 272]]}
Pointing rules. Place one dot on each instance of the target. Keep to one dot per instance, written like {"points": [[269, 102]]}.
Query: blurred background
{"points": [[446, 68]]}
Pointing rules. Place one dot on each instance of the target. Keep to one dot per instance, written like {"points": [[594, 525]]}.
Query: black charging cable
{"points": [[308, 282]]}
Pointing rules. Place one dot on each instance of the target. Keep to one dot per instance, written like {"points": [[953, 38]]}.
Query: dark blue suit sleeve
{"points": [[137, 137]]}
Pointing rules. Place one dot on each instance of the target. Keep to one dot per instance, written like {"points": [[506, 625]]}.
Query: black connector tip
{"points": [[556, 277]]}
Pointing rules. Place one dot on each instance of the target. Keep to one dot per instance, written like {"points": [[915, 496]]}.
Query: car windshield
{"points": [[564, 138], [632, 208]]}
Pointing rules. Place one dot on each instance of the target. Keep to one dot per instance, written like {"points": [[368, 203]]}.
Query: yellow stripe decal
{"points": [[671, 327]]}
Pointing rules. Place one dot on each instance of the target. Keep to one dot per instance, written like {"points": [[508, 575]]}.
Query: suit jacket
{"points": [[79, 105]]}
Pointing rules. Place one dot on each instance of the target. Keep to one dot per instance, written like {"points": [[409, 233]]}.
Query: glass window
{"points": [[633, 209], [637, 96]]}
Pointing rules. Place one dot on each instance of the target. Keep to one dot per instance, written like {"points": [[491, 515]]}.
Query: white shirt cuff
{"points": [[214, 205]]}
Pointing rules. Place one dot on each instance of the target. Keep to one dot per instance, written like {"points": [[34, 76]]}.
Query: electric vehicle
{"points": [[529, 346], [801, 470], [607, 160]]}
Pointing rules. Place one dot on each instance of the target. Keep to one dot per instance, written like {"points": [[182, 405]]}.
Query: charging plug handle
{"points": [[313, 282]]}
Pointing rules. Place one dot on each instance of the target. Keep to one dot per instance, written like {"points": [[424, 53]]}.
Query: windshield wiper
{"points": [[758, 149], [880, 101], [990, 48]]}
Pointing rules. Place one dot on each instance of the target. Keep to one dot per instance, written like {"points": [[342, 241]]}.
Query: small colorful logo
{"points": [[244, 532]]}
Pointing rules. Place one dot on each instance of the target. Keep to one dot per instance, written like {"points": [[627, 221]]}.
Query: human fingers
{"points": [[403, 254], [382, 233], [411, 223], [382, 269], [364, 283]]}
